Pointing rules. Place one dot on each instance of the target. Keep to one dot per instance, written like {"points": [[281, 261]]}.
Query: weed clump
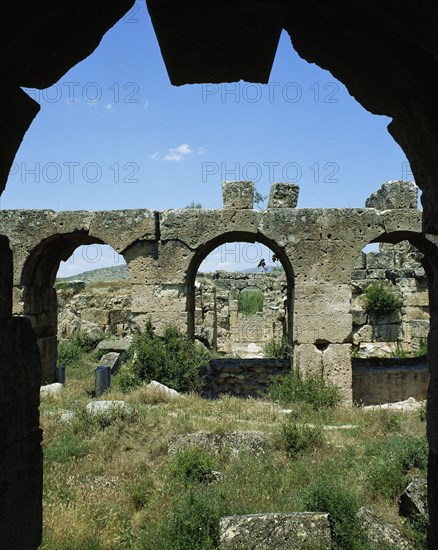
{"points": [[314, 390]]}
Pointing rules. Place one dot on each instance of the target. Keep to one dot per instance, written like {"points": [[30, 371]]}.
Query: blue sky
{"points": [[114, 133]]}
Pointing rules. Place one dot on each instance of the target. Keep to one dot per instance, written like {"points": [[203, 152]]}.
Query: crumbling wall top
{"points": [[394, 195]]}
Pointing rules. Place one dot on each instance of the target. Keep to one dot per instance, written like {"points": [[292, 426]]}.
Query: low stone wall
{"points": [[242, 377], [377, 381]]}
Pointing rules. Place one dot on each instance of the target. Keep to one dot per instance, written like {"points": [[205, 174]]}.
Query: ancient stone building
{"points": [[388, 74], [318, 249]]}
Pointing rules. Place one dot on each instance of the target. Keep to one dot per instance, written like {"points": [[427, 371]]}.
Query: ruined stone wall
{"points": [[401, 331], [318, 249], [94, 310], [220, 325]]}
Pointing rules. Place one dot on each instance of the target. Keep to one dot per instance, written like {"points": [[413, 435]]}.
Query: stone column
{"points": [[20, 443]]}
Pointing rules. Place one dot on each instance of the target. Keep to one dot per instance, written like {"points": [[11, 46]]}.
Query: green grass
{"points": [[111, 481], [250, 302]]}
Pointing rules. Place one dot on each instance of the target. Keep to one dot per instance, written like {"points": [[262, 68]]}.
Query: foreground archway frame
{"points": [[317, 247]]}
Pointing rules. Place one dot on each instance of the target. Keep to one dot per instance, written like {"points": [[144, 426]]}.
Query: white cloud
{"points": [[108, 106], [154, 156], [146, 104], [178, 153]]}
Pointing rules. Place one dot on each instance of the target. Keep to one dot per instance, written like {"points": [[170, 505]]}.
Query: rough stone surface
{"points": [[283, 195], [112, 360], [99, 407], [381, 533], [300, 530], [158, 387], [115, 344], [238, 194], [413, 501], [394, 194], [52, 389]]}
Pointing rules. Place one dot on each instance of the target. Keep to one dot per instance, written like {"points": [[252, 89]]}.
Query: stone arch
{"points": [[37, 295], [239, 236]]}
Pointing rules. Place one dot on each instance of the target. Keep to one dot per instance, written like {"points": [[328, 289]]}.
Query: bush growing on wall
{"points": [[381, 297]]}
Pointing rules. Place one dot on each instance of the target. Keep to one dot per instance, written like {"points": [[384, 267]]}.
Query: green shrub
{"points": [[292, 388], [300, 437], [330, 495], [192, 465], [69, 353], [250, 302], [191, 524], [381, 297], [276, 348], [392, 462], [171, 359]]}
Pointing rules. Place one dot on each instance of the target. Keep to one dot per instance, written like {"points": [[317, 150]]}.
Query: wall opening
{"points": [[65, 299], [390, 316]]}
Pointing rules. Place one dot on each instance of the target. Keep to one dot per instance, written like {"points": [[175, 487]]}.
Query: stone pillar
{"points": [[322, 332], [40, 307], [20, 442], [159, 289]]}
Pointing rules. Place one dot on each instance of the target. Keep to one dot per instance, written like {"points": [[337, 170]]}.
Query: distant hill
{"points": [[115, 273], [121, 273]]}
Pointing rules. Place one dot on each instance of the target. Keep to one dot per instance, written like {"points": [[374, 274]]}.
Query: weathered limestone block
{"points": [[120, 228], [298, 530], [95, 316], [238, 194], [381, 534], [161, 320], [402, 220], [20, 444], [322, 313], [361, 261], [359, 316], [283, 195], [112, 360], [415, 312], [159, 298], [250, 441], [364, 334], [419, 299], [152, 263], [413, 501], [394, 194], [327, 260], [337, 368], [308, 359], [380, 260]]}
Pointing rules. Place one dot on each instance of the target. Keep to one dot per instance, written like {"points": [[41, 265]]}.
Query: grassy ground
{"points": [[110, 484]]}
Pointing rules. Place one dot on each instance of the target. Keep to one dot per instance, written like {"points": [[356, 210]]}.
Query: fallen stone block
{"points": [[99, 407], [381, 534], [300, 530], [251, 441], [51, 389], [112, 360], [161, 388], [413, 501]]}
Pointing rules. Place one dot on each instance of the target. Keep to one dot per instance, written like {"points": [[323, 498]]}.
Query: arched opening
{"points": [[78, 315], [245, 313], [391, 319]]}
